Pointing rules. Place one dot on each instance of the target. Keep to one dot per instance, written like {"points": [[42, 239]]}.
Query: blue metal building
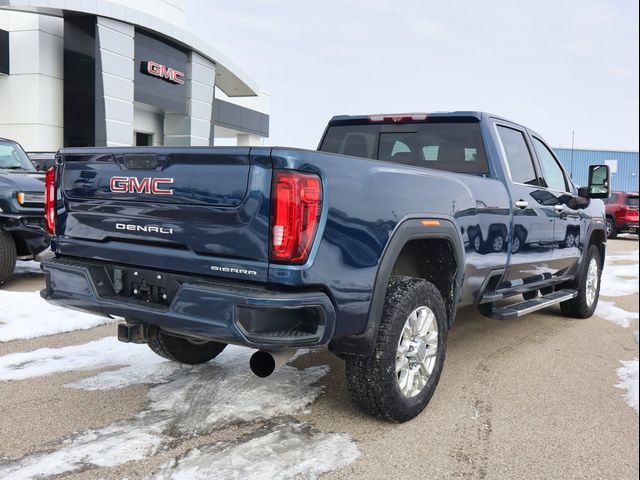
{"points": [[623, 164]]}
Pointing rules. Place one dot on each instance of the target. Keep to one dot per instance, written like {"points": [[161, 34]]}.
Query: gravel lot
{"points": [[534, 397]]}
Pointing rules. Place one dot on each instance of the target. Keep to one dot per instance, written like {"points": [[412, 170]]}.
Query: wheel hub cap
{"points": [[417, 350], [592, 282]]}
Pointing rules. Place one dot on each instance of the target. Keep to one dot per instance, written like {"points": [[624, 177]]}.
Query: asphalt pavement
{"points": [[533, 397]]}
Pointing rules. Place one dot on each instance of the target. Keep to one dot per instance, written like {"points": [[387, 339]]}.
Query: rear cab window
{"points": [[438, 143]]}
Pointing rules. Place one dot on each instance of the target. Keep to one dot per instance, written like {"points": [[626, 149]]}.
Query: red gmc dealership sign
{"points": [[163, 72]]}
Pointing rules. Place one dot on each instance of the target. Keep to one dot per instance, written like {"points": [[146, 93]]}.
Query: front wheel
{"points": [[180, 349], [584, 304], [7, 256], [398, 380]]}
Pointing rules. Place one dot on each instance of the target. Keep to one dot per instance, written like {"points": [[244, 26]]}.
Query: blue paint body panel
{"points": [[370, 209]]}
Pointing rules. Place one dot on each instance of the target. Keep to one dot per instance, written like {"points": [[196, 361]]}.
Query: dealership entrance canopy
{"points": [[85, 73]]}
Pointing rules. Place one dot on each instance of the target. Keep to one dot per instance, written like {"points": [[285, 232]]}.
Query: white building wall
{"points": [[194, 128], [148, 121], [116, 41], [31, 97]]}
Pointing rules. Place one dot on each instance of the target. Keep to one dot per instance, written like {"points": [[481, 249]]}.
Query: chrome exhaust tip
{"points": [[264, 363]]}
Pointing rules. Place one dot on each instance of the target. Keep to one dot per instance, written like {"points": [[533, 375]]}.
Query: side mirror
{"points": [[598, 182]]}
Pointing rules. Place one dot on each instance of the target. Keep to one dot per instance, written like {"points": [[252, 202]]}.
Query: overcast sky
{"points": [[555, 66]]}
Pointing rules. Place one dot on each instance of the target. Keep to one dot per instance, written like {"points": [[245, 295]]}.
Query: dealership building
{"points": [[119, 73]]}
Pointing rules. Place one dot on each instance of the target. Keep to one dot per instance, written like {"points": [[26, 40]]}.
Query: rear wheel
{"points": [[7, 256], [612, 232], [586, 301], [398, 380], [180, 349]]}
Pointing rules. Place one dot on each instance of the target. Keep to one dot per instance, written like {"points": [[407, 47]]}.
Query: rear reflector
{"points": [[297, 201], [50, 200]]}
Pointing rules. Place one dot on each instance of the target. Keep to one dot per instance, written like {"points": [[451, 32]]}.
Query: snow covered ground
{"points": [[185, 402], [281, 453], [26, 315], [620, 278]]}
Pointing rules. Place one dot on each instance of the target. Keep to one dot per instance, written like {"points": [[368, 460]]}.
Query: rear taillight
{"points": [[297, 201], [50, 200]]}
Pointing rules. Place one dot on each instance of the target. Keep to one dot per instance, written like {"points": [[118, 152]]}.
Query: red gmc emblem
{"points": [[143, 185], [163, 72]]}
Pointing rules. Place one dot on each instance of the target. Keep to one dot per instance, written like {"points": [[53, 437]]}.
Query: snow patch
{"points": [[106, 447], [623, 256], [189, 401], [620, 279], [628, 375], [609, 311], [140, 365], [287, 452], [26, 315]]}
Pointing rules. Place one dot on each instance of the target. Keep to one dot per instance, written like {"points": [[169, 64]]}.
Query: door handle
{"points": [[522, 204], [559, 208]]}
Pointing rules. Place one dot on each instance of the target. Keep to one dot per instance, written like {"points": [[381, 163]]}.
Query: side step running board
{"points": [[520, 309]]}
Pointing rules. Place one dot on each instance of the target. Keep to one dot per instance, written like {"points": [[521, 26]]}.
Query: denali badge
{"points": [[144, 185], [144, 228]]}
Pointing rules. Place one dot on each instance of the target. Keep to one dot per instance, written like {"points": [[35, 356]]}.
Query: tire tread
{"points": [[367, 376], [181, 350], [8, 255]]}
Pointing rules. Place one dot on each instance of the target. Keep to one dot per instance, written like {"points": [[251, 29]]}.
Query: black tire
{"points": [[579, 307], [182, 350], [530, 295], [7, 256], [486, 309], [612, 232], [372, 381]]}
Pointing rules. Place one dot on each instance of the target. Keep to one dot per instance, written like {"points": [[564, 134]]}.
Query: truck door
{"points": [[570, 224], [532, 231]]}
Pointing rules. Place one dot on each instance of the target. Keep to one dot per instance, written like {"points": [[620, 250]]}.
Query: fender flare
{"points": [[410, 229], [594, 226]]}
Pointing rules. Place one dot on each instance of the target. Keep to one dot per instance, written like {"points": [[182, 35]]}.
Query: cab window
{"points": [[551, 170], [518, 156]]}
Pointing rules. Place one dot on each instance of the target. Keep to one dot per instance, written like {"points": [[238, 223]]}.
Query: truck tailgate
{"points": [[208, 205]]}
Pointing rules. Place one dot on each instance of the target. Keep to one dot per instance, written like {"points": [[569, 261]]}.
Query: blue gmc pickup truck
{"points": [[368, 246]]}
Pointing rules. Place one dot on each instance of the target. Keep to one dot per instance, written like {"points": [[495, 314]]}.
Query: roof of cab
{"points": [[477, 115]]}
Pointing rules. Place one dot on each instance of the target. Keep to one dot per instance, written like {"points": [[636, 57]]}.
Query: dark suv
{"points": [[22, 235], [622, 214]]}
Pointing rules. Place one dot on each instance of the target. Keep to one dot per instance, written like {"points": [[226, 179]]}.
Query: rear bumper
{"points": [[628, 226], [225, 312]]}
